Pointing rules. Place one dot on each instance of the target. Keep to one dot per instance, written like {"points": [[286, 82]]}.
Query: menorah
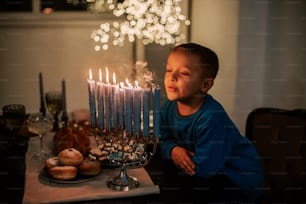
{"points": [[121, 126]]}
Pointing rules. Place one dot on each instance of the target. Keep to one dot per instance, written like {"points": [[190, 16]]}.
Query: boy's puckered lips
{"points": [[171, 88]]}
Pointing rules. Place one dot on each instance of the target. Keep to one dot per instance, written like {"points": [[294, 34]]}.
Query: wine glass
{"points": [[54, 104], [40, 124], [14, 116]]}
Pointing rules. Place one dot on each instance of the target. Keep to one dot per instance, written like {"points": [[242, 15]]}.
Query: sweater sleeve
{"points": [[212, 146], [167, 142]]}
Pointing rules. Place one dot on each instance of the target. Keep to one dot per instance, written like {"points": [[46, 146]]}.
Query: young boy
{"points": [[197, 135]]}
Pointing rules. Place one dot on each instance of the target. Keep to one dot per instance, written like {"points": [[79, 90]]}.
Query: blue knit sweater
{"points": [[217, 143]]}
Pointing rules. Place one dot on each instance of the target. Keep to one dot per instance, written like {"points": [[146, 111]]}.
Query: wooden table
{"points": [[40, 188], [12, 173], [13, 148]]}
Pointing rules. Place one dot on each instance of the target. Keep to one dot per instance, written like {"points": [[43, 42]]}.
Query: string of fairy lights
{"points": [[151, 21]]}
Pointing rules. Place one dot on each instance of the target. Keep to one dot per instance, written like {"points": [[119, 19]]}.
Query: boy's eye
{"points": [[185, 73]]}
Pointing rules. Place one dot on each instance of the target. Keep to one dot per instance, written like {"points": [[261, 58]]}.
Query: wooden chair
{"points": [[280, 138]]}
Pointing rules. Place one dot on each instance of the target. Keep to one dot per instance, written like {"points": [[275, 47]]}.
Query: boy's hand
{"points": [[181, 158]]}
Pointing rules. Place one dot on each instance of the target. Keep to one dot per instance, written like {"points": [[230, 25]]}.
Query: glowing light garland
{"points": [[152, 21]]}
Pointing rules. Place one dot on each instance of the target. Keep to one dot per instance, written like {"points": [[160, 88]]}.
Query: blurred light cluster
{"points": [[152, 21]]}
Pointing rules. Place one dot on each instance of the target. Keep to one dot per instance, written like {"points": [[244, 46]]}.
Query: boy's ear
{"points": [[207, 84]]}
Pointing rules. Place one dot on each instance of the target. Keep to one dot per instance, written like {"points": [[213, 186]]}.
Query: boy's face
{"points": [[184, 77]]}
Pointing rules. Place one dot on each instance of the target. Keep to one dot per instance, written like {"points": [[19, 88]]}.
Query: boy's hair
{"points": [[208, 58]]}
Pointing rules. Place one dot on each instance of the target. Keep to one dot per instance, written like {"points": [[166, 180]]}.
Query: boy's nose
{"points": [[173, 76]]}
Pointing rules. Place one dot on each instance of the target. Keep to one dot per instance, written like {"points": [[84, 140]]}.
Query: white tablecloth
{"points": [[39, 189]]}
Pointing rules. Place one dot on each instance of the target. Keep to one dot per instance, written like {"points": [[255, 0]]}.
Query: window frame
{"points": [[37, 16]]}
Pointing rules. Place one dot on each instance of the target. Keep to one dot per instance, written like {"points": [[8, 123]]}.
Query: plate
{"points": [[78, 179]]}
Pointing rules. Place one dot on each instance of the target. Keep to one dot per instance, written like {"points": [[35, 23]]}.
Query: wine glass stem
{"points": [[55, 124]]}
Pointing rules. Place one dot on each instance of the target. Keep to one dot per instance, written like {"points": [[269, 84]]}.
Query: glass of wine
{"points": [[54, 104], [14, 115], [40, 124]]}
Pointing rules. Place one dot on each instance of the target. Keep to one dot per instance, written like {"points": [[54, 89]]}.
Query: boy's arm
{"points": [[182, 159]]}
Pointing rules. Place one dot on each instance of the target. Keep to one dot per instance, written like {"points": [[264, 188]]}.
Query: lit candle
{"points": [[146, 112], [100, 98], [106, 75], [107, 101], [121, 106], [128, 107], [64, 114], [156, 101], [114, 103], [92, 103], [137, 108], [41, 94]]}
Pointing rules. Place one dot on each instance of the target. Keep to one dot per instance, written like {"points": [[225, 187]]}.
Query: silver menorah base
{"points": [[141, 148], [123, 182]]}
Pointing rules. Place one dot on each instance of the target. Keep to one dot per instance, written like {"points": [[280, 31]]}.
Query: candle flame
{"points": [[114, 78], [128, 83], [136, 83], [121, 84], [100, 75], [107, 77], [90, 74]]}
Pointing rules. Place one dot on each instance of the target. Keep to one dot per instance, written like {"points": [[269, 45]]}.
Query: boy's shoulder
{"points": [[211, 103]]}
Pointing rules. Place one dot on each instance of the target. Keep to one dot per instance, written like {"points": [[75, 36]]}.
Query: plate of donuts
{"points": [[77, 179], [71, 167]]}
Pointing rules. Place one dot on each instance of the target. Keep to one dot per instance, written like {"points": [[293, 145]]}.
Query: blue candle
{"points": [[64, 117], [137, 92], [100, 98], [156, 101], [92, 103], [107, 91], [121, 103], [128, 109], [64, 96], [146, 112], [108, 95], [41, 94], [114, 103]]}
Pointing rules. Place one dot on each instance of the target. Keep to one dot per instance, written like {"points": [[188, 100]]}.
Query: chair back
{"points": [[280, 138]]}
